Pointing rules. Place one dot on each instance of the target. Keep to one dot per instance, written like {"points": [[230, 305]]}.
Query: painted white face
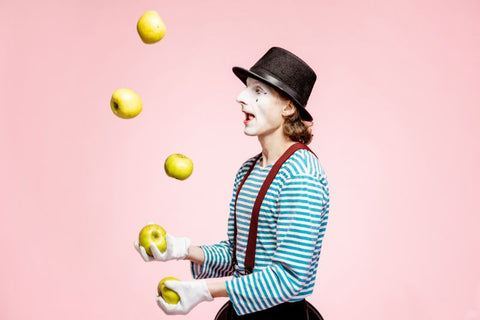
{"points": [[262, 106]]}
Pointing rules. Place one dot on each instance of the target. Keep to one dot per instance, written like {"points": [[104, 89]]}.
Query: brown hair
{"points": [[297, 129]]}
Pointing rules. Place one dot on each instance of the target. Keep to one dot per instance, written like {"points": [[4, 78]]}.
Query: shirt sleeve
{"points": [[303, 212], [217, 263]]}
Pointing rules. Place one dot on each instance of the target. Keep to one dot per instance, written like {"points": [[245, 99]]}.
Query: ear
{"points": [[288, 109]]}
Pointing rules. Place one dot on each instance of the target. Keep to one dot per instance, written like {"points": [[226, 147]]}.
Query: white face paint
{"points": [[263, 107]]}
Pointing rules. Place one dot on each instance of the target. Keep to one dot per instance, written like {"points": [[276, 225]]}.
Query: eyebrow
{"points": [[259, 86]]}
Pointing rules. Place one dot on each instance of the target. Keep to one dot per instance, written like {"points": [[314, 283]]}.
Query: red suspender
{"points": [[234, 259], [252, 236]]}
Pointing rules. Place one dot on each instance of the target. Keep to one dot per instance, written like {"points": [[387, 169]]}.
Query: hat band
{"points": [[292, 94]]}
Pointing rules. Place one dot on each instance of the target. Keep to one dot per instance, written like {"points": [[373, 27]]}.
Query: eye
{"points": [[259, 90]]}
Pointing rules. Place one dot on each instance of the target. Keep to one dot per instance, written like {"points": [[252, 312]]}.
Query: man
{"points": [[292, 217]]}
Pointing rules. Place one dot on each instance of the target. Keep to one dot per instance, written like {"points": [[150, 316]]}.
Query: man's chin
{"points": [[249, 133]]}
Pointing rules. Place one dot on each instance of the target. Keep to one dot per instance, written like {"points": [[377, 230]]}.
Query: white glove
{"points": [[177, 248], [191, 293]]}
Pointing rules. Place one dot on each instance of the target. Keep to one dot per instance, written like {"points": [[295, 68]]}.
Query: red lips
{"points": [[248, 117]]}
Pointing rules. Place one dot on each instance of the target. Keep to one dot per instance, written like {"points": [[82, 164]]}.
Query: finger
{"points": [[167, 308], [138, 248], [144, 254], [161, 303], [174, 285], [156, 253]]}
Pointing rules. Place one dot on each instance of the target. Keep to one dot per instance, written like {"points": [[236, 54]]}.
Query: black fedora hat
{"points": [[285, 72]]}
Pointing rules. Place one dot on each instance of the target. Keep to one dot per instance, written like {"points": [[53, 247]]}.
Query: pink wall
{"points": [[396, 107]]}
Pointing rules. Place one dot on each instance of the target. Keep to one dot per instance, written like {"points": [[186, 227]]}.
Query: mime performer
{"points": [[293, 214]]}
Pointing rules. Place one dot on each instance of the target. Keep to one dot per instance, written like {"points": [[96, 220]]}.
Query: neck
{"points": [[273, 146]]}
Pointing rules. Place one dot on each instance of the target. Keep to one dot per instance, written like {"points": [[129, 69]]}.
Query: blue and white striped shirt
{"points": [[291, 226]]}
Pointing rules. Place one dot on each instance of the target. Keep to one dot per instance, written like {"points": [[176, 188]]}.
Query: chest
{"points": [[268, 214]]}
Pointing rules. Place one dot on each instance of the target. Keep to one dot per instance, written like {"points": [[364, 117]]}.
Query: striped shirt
{"points": [[291, 226]]}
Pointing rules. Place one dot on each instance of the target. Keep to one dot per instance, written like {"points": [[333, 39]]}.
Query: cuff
{"points": [[234, 301]]}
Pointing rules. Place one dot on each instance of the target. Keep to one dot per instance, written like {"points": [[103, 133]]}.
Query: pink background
{"points": [[397, 115]]}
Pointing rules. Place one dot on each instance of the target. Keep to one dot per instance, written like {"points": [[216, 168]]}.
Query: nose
{"points": [[242, 97]]}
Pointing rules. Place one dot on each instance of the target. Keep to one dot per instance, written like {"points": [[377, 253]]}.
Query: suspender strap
{"points": [[252, 236], [234, 261]]}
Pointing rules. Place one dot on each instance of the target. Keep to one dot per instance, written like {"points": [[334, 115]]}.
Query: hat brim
{"points": [[243, 74]]}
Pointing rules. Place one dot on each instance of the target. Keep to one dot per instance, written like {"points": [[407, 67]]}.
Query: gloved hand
{"points": [[191, 293], [177, 248]]}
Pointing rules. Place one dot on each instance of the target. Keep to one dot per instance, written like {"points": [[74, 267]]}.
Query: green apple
{"points": [[125, 103], [150, 27], [153, 234], [170, 296], [178, 166]]}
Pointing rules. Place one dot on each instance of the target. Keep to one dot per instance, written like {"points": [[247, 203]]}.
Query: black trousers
{"points": [[285, 311]]}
